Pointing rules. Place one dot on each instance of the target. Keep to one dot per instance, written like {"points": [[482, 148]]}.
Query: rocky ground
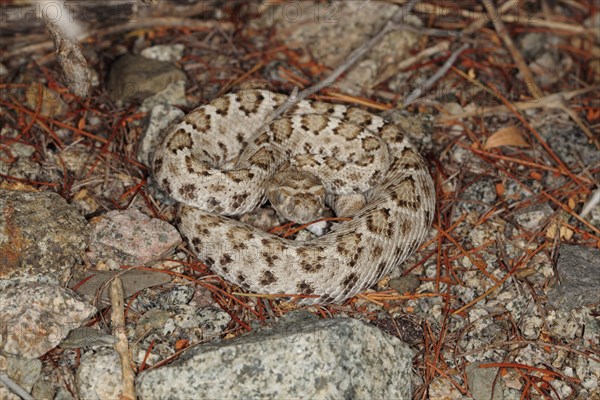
{"points": [[501, 302]]}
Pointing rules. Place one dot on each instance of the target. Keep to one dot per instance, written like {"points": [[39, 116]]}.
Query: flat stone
{"points": [[86, 336], [89, 283], [301, 357], [578, 270], [481, 380], [405, 284], [173, 94], [136, 77]]}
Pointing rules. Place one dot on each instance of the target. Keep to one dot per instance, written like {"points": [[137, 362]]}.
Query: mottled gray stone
{"points": [[35, 317], [534, 217], [478, 196], [213, 321], [570, 144], [578, 270], [298, 358], [41, 237], [164, 52], [99, 376], [481, 380], [175, 295], [21, 166]]}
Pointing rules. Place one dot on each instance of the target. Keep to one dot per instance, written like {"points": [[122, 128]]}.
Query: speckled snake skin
{"points": [[216, 166]]}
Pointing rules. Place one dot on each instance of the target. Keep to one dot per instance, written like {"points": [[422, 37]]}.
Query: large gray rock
{"points": [[578, 270], [301, 357], [41, 237]]}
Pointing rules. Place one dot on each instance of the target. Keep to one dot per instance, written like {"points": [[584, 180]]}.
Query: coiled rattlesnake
{"points": [[213, 164]]}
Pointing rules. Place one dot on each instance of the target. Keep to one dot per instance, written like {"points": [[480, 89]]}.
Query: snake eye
{"points": [[282, 195]]}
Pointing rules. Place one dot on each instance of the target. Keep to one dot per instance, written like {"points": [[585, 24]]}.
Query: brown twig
{"points": [[434, 78]]}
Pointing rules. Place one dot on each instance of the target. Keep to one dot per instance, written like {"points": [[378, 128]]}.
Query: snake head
{"points": [[297, 195]]}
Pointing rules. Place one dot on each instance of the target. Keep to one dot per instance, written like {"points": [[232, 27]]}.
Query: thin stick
{"points": [[407, 62], [484, 19], [439, 10], [510, 45], [435, 77], [546, 101], [591, 203], [121, 345]]}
